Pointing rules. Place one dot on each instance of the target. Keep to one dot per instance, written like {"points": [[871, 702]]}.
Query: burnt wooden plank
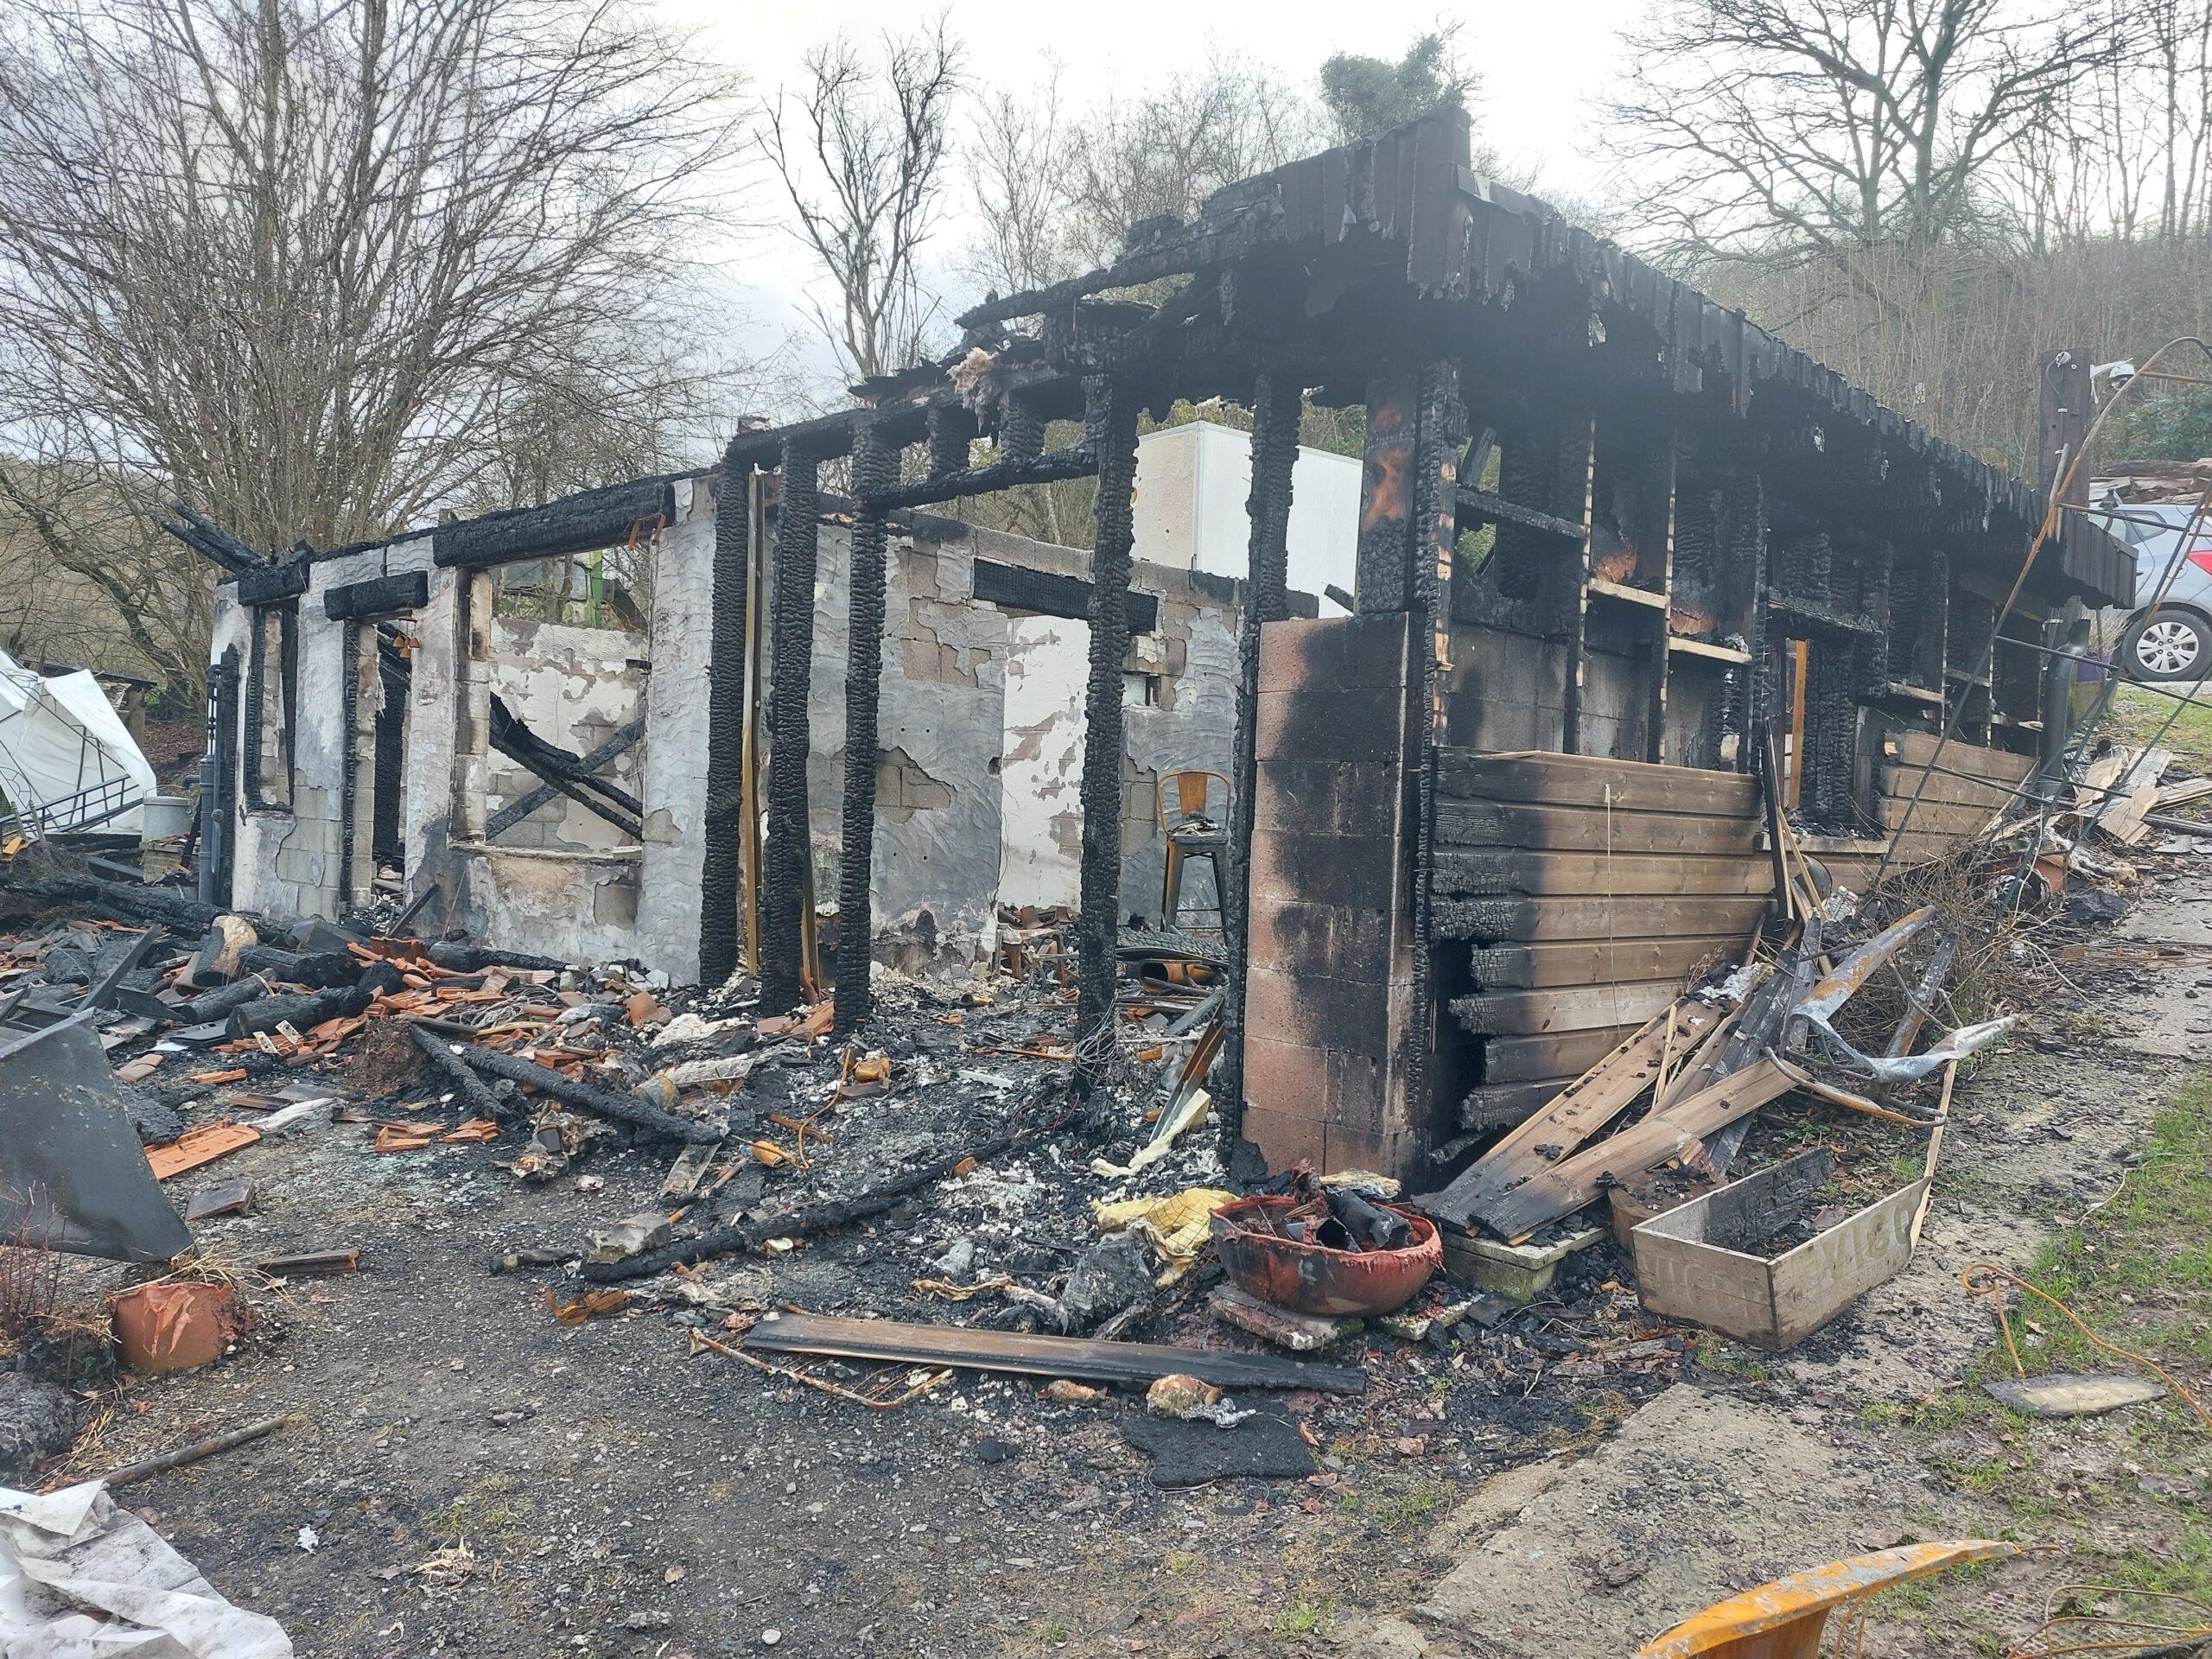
{"points": [[1580, 1109], [1569, 873], [574, 523], [1572, 829], [1901, 783], [1074, 1356], [1557, 1054], [1918, 749], [1562, 780], [1535, 921], [378, 596], [1565, 1186], [1584, 962], [1946, 818], [1051, 594], [1579, 1008], [1505, 1105]]}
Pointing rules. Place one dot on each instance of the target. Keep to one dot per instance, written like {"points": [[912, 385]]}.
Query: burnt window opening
{"points": [[395, 679], [605, 587], [271, 694]]}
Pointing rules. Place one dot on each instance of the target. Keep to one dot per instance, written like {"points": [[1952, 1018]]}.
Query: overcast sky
{"points": [[1542, 68]]}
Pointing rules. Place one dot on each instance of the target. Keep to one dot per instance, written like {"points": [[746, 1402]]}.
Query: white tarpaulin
{"points": [[63, 748], [80, 1579]]}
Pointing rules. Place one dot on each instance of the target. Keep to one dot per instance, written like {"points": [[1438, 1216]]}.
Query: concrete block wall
{"points": [[943, 711]]}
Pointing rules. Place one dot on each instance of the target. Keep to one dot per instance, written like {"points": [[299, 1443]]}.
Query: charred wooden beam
{"points": [[1112, 420], [719, 881], [950, 429], [1277, 404], [574, 523], [604, 1102], [520, 808], [565, 771], [378, 596], [211, 541], [874, 462], [1386, 499], [1077, 461], [1481, 507], [790, 851]]}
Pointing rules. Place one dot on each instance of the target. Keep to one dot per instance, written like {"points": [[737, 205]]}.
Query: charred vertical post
{"points": [[1111, 416], [874, 466], [219, 782], [1386, 495], [720, 879], [949, 433], [1441, 427], [1275, 407], [791, 651], [1021, 430]]}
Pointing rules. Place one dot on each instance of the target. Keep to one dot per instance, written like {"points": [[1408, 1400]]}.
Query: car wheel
{"points": [[2169, 645]]}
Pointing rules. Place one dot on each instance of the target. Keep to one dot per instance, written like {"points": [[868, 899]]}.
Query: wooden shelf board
{"points": [[1701, 648], [1621, 590]]}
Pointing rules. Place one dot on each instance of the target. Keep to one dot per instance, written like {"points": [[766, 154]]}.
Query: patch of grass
{"points": [[1049, 1633], [1728, 1359], [2136, 714], [1402, 1509], [484, 1511], [2140, 1272], [1306, 1616]]}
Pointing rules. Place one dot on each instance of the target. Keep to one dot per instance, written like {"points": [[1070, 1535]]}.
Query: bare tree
{"points": [[1018, 167], [290, 259], [861, 153], [1773, 129], [1163, 154]]}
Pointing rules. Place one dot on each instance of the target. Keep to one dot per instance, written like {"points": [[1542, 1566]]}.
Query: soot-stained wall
{"points": [[944, 810]]}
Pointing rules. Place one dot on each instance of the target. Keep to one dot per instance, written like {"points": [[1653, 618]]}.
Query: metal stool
{"points": [[1194, 832]]}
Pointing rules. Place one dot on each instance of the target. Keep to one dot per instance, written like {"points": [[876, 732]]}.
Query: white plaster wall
{"points": [[575, 687], [1040, 856], [287, 862], [1194, 487], [672, 777]]}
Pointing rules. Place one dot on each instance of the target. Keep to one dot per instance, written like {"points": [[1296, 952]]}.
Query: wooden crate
{"points": [[1683, 1272]]}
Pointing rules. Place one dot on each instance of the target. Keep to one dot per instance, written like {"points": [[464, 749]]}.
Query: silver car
{"points": [[2168, 638]]}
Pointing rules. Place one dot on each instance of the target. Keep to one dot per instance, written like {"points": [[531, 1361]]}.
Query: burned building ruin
{"points": [[1609, 535]]}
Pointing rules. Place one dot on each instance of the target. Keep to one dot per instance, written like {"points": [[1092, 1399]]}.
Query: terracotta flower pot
{"points": [[174, 1326]]}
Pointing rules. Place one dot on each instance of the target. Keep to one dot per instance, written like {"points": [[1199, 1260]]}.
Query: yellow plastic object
{"points": [[1784, 1619], [1177, 1226]]}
